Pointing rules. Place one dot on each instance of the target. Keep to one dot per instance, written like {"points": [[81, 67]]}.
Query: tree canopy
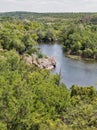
{"points": [[32, 98]]}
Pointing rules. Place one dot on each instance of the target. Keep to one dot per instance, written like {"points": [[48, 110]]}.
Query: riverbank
{"points": [[75, 57]]}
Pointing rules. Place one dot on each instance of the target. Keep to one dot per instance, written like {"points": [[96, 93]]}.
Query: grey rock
{"points": [[43, 63]]}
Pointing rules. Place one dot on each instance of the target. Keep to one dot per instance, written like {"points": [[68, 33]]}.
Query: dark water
{"points": [[72, 71]]}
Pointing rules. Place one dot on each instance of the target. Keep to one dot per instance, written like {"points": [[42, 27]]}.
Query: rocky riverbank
{"points": [[43, 63]]}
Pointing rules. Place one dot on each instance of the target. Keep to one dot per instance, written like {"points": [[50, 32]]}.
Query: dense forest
{"points": [[76, 31], [32, 98]]}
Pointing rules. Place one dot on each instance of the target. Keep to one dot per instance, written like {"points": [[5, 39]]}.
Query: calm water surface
{"points": [[72, 71]]}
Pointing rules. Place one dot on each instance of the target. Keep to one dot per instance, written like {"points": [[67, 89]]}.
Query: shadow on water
{"points": [[78, 72]]}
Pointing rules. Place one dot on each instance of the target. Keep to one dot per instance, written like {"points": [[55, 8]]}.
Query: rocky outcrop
{"points": [[43, 63], [27, 59]]}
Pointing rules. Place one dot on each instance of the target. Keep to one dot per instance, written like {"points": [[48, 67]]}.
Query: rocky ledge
{"points": [[43, 63]]}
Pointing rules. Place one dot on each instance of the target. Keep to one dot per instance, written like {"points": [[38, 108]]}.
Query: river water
{"points": [[78, 72]]}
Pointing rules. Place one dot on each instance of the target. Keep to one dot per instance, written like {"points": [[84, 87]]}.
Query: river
{"points": [[78, 72]]}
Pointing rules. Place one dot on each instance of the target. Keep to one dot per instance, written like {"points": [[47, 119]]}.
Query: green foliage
{"points": [[31, 98], [82, 114], [80, 40], [83, 91]]}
